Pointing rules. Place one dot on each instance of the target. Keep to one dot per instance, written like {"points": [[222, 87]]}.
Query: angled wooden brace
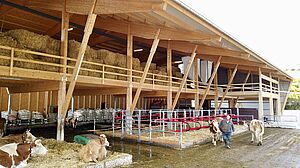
{"points": [[152, 52], [228, 86], [87, 32], [186, 73], [210, 81]]}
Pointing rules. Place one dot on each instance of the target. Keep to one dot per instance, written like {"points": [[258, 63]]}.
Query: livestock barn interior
{"points": [[91, 59]]}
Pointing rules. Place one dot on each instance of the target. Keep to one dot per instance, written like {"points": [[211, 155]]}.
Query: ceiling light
{"points": [[138, 50], [70, 29], [177, 62]]}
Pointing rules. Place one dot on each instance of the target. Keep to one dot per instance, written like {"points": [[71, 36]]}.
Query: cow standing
{"points": [[256, 127], [216, 134]]}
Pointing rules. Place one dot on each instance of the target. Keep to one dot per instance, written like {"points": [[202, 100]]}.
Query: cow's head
{"points": [[27, 137], [103, 140]]}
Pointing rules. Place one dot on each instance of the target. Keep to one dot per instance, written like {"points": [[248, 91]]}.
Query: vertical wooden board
{"points": [[33, 100], [92, 102], [41, 100], [75, 102], [15, 101], [80, 98], [55, 98], [24, 101], [87, 101]]}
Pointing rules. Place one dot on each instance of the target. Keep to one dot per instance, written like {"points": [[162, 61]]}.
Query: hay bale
{"points": [[121, 60], [73, 50], [34, 41], [120, 71], [161, 78], [152, 65], [108, 57], [110, 76], [162, 68], [6, 41], [136, 65]]}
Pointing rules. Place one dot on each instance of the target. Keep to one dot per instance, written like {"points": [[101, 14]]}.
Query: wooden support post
{"points": [[152, 52], [63, 82], [11, 62], [169, 71], [216, 91], [213, 75], [260, 97], [196, 82], [129, 67], [186, 73], [271, 106], [228, 86], [46, 103], [87, 32]]}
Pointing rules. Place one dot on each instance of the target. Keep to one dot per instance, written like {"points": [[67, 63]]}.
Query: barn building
{"points": [[71, 54]]}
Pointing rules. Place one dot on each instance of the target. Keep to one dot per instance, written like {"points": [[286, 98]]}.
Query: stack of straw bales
{"points": [[27, 40]]}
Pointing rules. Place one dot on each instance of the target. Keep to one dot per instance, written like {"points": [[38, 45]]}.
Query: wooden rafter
{"points": [[147, 66], [33, 87], [146, 31], [87, 32], [56, 28], [228, 86], [210, 82], [102, 7], [186, 73]]}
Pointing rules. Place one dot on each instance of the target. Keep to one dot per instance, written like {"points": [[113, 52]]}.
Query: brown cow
{"points": [[94, 150], [216, 134], [12, 155]]}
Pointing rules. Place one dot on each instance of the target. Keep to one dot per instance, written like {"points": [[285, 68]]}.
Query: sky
{"points": [[271, 28]]}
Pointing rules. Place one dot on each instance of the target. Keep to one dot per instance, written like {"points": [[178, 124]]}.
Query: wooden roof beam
{"points": [[33, 87], [147, 31], [102, 7]]}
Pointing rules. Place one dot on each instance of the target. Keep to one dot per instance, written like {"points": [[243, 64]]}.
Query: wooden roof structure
{"points": [[178, 24]]}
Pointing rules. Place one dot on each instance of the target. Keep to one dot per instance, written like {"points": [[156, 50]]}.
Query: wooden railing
{"points": [[19, 58]]}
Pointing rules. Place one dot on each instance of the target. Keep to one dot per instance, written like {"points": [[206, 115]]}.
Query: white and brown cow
{"points": [[216, 133], [39, 148], [94, 150], [256, 127], [15, 155]]}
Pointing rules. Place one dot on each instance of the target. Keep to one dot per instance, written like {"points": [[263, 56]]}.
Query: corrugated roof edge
{"points": [[228, 35]]}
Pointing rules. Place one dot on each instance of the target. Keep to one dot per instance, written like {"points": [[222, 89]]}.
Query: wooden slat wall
{"points": [[35, 101]]}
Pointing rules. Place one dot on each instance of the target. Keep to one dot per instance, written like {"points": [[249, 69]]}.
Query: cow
{"points": [[94, 150], [72, 122], [27, 137], [15, 155], [216, 134], [38, 148], [256, 127], [2, 127]]}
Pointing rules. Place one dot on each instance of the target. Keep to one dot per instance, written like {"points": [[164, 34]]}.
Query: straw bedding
{"points": [[24, 39]]}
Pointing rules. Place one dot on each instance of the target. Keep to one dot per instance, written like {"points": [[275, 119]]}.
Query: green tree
{"points": [[293, 102]]}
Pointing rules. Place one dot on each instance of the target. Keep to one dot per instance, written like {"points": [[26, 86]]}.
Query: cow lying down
{"points": [[17, 154], [94, 150], [256, 127]]}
